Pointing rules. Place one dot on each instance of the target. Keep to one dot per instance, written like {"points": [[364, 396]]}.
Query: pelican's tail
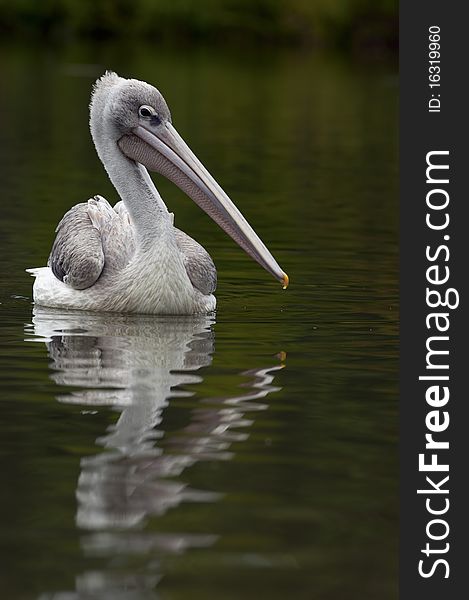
{"points": [[36, 271]]}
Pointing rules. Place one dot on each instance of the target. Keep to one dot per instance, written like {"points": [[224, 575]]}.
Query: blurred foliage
{"points": [[342, 23]]}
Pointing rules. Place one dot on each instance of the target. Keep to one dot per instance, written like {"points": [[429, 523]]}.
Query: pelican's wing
{"points": [[117, 232], [198, 263], [90, 237]]}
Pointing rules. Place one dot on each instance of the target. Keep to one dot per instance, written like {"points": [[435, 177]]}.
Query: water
{"points": [[247, 454]]}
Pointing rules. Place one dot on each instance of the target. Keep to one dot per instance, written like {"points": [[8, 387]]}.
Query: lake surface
{"points": [[252, 453]]}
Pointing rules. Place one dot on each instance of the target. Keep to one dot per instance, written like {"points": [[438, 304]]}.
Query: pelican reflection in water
{"points": [[135, 364], [130, 257]]}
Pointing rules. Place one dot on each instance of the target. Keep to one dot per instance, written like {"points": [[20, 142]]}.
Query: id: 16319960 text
{"points": [[434, 68]]}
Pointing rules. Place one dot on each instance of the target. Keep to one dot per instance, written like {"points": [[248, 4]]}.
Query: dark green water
{"points": [[252, 454]]}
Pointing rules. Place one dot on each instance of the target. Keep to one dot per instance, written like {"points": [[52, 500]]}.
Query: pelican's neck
{"points": [[146, 208]]}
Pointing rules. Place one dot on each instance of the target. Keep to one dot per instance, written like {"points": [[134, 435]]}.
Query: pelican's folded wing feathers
{"points": [[77, 256], [91, 237], [198, 263]]}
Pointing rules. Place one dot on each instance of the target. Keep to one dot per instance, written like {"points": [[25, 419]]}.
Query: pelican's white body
{"points": [[155, 281]]}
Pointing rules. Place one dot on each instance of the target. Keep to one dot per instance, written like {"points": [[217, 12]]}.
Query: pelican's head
{"points": [[135, 116]]}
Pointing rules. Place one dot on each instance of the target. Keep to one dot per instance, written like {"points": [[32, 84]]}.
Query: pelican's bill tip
{"points": [[285, 281]]}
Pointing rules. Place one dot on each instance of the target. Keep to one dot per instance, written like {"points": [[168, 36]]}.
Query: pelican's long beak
{"points": [[165, 152]]}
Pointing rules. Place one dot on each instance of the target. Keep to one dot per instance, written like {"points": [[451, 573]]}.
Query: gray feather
{"points": [[198, 263], [116, 231], [77, 256], [91, 237]]}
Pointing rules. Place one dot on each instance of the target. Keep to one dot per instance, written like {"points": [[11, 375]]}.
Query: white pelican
{"points": [[130, 257]]}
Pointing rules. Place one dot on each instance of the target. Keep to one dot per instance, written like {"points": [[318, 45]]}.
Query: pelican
{"points": [[131, 258]]}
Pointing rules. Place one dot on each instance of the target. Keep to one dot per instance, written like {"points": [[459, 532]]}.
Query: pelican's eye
{"points": [[146, 111]]}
